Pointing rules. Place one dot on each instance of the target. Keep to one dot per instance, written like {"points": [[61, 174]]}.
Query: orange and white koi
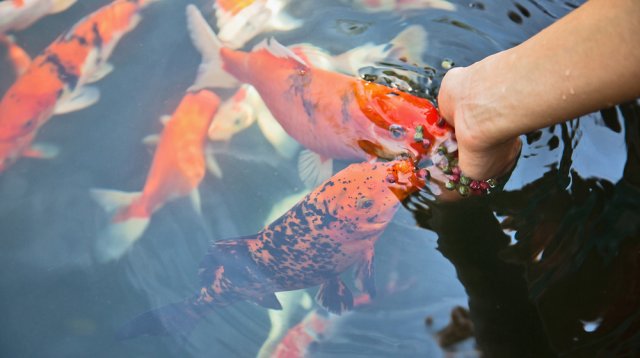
{"points": [[18, 58], [331, 230], [335, 116], [177, 169], [20, 14], [240, 21], [55, 81], [244, 109], [401, 5]]}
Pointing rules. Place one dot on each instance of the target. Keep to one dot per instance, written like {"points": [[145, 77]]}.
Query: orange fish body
{"points": [[20, 14], [334, 115], [332, 229], [177, 169], [54, 81]]}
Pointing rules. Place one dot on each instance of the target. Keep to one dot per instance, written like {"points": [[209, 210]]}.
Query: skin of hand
{"points": [[588, 60]]}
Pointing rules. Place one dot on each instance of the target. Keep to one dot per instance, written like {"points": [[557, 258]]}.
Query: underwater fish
{"points": [[400, 5], [244, 109], [409, 46], [240, 21], [16, 55], [331, 230], [314, 327], [23, 147], [55, 81], [177, 169], [20, 14], [334, 116]]}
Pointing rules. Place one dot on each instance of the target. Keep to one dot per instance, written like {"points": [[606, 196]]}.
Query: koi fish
{"points": [[335, 116], [331, 230], [401, 5], [246, 106], [409, 45], [312, 329], [177, 169], [242, 110], [23, 147], [16, 55], [55, 81], [20, 14], [240, 21]]}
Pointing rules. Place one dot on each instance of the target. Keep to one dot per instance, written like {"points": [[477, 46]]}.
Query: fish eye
{"points": [[237, 121], [397, 131], [364, 203]]}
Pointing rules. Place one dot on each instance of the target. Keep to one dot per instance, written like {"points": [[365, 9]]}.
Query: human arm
{"points": [[588, 60]]}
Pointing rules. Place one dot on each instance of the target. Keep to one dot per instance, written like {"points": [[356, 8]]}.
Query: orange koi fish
{"points": [[20, 14], [177, 169], [16, 55], [331, 230], [240, 21], [331, 114], [55, 81], [400, 5]]}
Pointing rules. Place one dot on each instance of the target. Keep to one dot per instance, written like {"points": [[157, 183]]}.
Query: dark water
{"points": [[558, 277]]}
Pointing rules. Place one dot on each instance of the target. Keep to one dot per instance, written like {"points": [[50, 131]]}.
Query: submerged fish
{"points": [[240, 21], [331, 230], [177, 169], [244, 109], [20, 14], [400, 5], [18, 58], [55, 81], [335, 116]]}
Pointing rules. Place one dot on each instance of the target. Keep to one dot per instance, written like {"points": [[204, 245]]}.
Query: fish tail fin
{"points": [[210, 73], [61, 5], [410, 44], [176, 319], [127, 225]]}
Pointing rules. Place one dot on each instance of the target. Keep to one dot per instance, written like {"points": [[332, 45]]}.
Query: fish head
{"points": [[234, 116], [370, 192], [401, 123], [22, 113]]}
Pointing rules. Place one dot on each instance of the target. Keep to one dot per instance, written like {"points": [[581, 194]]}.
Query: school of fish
{"points": [[306, 102]]}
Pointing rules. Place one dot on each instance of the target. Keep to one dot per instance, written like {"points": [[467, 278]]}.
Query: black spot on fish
{"points": [[63, 73], [97, 37]]}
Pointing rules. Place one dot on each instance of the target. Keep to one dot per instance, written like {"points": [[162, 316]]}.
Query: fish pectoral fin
{"points": [[165, 119], [42, 151], [151, 140], [196, 201], [335, 296], [269, 301], [313, 169], [61, 5], [212, 163], [365, 275], [81, 99], [101, 72]]}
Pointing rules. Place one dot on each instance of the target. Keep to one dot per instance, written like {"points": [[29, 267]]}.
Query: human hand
{"points": [[486, 149]]}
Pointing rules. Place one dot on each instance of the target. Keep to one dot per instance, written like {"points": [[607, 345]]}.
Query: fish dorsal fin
{"points": [[269, 301], [277, 49]]}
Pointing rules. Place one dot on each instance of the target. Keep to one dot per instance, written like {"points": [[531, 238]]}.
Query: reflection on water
{"points": [[547, 267]]}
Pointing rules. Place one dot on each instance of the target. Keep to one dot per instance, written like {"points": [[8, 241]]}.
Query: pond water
{"points": [[546, 267]]}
